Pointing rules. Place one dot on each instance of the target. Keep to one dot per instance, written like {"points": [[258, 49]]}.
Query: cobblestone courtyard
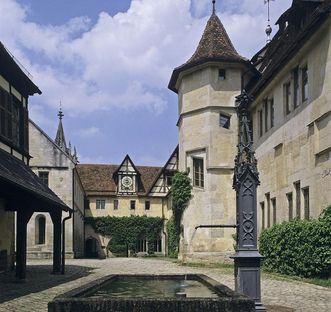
{"points": [[41, 287]]}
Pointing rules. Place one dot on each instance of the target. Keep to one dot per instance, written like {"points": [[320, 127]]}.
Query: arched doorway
{"points": [[91, 248]]}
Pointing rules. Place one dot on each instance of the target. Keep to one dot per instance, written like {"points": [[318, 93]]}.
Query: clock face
{"points": [[127, 182]]}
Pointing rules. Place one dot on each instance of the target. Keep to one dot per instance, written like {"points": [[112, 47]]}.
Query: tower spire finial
{"points": [[214, 9], [60, 114]]}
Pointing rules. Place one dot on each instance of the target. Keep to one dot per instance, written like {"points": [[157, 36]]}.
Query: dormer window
{"points": [[221, 74]]}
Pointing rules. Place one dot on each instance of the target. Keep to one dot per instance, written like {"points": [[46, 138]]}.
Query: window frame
{"points": [[287, 97], [198, 182], [226, 118], [132, 204], [304, 83], [222, 74], [11, 124], [115, 204], [102, 204], [260, 122], [44, 176], [272, 112], [147, 205]]}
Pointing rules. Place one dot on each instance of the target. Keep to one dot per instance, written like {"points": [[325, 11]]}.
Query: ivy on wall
{"points": [[181, 193], [126, 231]]}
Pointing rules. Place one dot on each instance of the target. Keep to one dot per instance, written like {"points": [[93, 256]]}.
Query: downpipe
{"points": [[63, 242]]}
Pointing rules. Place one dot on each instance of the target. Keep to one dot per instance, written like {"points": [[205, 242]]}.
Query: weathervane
{"points": [[268, 30], [214, 10]]}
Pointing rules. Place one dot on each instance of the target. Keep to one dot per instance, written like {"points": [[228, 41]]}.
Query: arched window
{"points": [[40, 229]]}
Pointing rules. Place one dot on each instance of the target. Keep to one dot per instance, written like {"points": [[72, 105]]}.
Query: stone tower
{"points": [[207, 85]]}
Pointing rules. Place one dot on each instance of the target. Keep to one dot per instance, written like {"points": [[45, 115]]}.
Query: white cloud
{"points": [[90, 132], [124, 60]]}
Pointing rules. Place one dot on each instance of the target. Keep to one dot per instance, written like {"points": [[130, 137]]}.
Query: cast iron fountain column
{"points": [[247, 259]]}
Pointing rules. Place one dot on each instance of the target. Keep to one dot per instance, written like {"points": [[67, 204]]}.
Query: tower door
{"points": [[91, 248]]}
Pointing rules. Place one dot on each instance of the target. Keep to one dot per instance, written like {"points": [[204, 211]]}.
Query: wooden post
{"points": [[56, 218], [23, 217]]}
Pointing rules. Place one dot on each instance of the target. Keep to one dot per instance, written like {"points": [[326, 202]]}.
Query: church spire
{"points": [[60, 139]]}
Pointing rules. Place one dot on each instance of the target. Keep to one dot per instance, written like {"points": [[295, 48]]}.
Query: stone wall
{"points": [[202, 98], [7, 226], [296, 152]]}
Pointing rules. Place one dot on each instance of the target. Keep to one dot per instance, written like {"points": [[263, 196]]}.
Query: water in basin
{"points": [[153, 288]]}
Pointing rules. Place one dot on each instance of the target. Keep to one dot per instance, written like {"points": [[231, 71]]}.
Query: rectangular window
{"points": [[43, 177], [221, 74], [262, 215], [169, 180], [274, 210], [100, 204], [115, 204], [198, 176], [266, 113], [267, 196], [272, 113], [304, 88], [260, 116], [287, 97], [295, 87], [290, 205], [147, 205], [13, 124], [142, 245], [157, 244], [224, 121], [305, 192], [297, 199], [132, 204]]}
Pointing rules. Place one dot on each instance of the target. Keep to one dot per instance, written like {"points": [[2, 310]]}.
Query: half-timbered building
{"points": [[125, 190]]}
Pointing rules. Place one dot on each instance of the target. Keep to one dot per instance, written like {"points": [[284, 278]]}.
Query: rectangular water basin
{"points": [[152, 293]]}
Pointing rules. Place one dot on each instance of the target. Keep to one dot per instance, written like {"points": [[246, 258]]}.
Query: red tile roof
{"points": [[98, 179]]}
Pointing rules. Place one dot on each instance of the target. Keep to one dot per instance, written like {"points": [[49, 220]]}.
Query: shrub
{"points": [[298, 247]]}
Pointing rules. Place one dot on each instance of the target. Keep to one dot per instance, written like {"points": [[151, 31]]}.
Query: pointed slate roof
{"points": [[214, 45], [60, 139]]}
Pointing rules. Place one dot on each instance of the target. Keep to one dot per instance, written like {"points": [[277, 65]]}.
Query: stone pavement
{"points": [[41, 287]]}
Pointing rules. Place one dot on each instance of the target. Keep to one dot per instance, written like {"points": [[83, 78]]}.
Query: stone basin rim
{"points": [[83, 291]]}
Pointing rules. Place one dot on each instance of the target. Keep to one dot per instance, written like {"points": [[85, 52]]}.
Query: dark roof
{"points": [[16, 174], [12, 72], [214, 45], [288, 40], [98, 179]]}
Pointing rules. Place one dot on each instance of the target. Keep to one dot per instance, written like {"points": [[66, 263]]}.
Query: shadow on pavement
{"points": [[38, 278]]}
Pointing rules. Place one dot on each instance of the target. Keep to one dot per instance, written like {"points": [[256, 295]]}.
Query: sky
{"points": [[108, 62]]}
